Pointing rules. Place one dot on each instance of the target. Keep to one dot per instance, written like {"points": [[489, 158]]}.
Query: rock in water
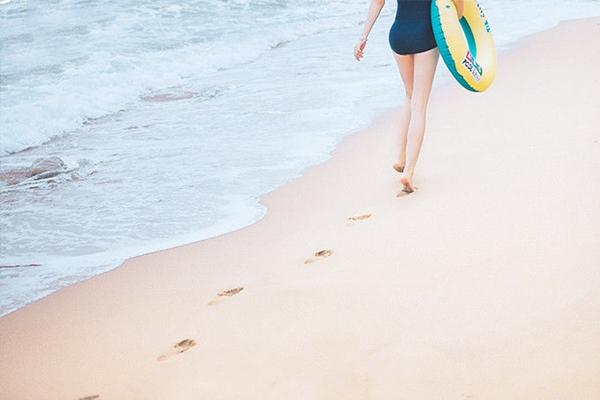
{"points": [[14, 176], [43, 165], [41, 168]]}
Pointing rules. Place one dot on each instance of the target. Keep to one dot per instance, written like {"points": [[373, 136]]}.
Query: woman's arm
{"points": [[374, 10], [460, 5]]}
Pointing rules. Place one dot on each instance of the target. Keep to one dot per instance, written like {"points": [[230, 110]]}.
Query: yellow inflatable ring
{"points": [[466, 44]]}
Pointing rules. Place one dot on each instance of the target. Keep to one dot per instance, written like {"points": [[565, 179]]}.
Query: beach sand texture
{"points": [[483, 284]]}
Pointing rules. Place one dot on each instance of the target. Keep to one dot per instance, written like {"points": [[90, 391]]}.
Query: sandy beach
{"points": [[483, 284]]}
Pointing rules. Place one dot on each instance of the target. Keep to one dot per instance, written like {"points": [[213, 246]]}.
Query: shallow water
{"points": [[174, 118]]}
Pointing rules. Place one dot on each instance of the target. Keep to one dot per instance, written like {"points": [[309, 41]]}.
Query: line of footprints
{"points": [[186, 344]]}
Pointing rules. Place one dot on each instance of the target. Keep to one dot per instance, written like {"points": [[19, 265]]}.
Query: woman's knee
{"points": [[418, 104]]}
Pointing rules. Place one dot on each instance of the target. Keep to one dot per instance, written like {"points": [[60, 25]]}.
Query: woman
{"points": [[413, 44]]}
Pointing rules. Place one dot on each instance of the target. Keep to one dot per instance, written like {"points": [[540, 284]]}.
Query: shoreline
{"points": [[316, 297], [158, 245]]}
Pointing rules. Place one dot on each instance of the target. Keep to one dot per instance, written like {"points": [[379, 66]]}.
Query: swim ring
{"points": [[466, 44]]}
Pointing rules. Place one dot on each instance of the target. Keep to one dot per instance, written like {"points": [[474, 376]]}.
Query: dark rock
{"points": [[47, 174], [42, 165], [14, 176], [42, 168], [165, 97], [19, 266]]}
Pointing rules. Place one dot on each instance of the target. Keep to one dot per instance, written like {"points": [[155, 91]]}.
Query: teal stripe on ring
{"points": [[469, 36]]}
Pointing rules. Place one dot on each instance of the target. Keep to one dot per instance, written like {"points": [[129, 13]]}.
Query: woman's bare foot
{"points": [[406, 182], [399, 167]]}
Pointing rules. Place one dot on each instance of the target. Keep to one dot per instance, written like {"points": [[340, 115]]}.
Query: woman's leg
{"points": [[425, 65], [406, 67]]}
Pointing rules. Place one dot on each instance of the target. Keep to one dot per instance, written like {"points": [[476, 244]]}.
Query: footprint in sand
{"points": [[92, 397], [226, 293], [406, 191], [357, 218], [319, 255], [179, 348]]}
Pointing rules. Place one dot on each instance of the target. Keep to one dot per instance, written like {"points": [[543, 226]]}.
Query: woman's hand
{"points": [[359, 49], [460, 6]]}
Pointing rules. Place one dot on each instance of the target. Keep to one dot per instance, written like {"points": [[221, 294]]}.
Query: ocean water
{"points": [[173, 118]]}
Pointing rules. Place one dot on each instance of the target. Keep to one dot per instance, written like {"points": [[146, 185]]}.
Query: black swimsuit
{"points": [[411, 32]]}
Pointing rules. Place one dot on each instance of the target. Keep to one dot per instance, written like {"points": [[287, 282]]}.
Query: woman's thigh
{"points": [[406, 67], [425, 65]]}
